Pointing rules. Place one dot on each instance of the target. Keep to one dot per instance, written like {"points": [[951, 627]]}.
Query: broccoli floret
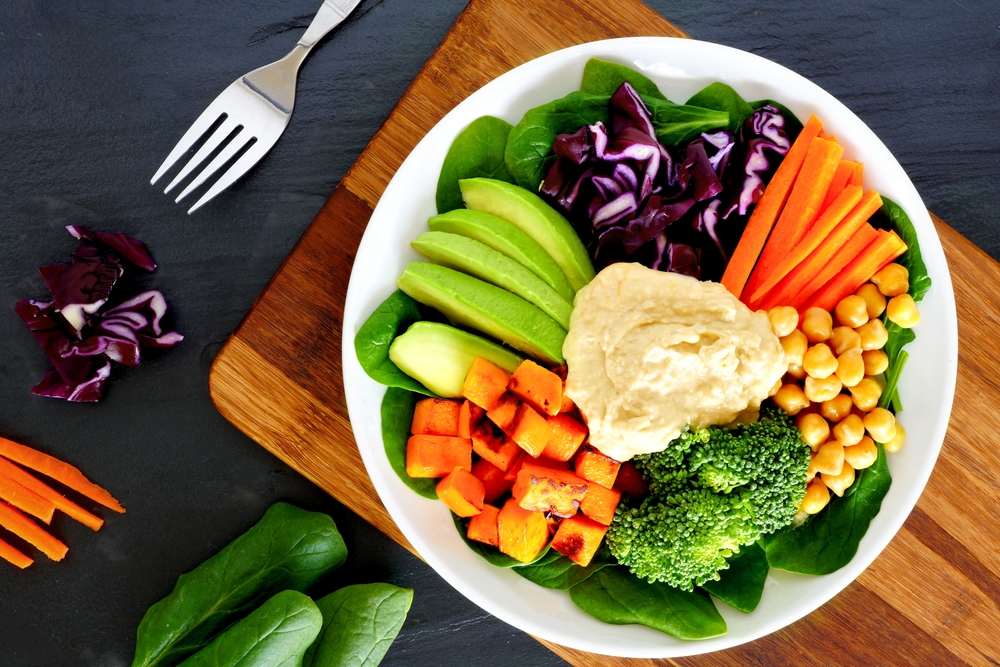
{"points": [[710, 492]]}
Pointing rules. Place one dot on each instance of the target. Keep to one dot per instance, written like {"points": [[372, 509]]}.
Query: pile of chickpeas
{"points": [[833, 384]]}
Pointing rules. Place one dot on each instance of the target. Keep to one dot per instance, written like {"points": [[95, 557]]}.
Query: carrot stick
{"points": [[840, 180], [841, 207], [25, 499], [855, 246], [40, 488], [12, 555], [767, 210], [28, 530], [858, 174], [59, 471], [886, 248], [800, 212]]}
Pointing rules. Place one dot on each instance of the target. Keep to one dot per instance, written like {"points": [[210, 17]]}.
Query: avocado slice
{"points": [[508, 239], [440, 356], [534, 217], [478, 305], [483, 262]]}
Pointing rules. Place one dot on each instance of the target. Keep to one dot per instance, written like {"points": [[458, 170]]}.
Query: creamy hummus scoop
{"points": [[650, 352]]}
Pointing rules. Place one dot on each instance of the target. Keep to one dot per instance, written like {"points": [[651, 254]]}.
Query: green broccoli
{"points": [[711, 492]]}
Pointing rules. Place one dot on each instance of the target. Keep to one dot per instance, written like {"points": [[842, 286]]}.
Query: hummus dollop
{"points": [[650, 352]]}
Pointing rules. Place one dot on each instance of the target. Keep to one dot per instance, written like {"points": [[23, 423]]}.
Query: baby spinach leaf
{"points": [[793, 126], [359, 624], [829, 540], [677, 124], [478, 150], [373, 339], [556, 571], [275, 634], [601, 77], [720, 97], [742, 585], [920, 281], [288, 548], [397, 417], [614, 595]]}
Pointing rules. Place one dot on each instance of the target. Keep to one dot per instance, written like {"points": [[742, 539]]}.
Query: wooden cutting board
{"points": [[933, 596]]}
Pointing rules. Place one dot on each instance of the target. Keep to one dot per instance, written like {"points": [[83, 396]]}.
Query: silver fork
{"points": [[256, 109]]}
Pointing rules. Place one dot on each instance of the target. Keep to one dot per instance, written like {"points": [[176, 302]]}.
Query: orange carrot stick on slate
{"points": [[885, 249], [29, 531], [767, 210], [12, 555], [25, 499], [59, 471], [61, 502]]}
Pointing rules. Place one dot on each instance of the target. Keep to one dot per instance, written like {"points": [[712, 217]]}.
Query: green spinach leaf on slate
{"points": [[677, 124], [556, 571], [614, 595], [742, 585], [477, 151], [360, 622], [793, 126], [397, 418], [373, 339], [829, 540], [720, 97], [601, 77]]}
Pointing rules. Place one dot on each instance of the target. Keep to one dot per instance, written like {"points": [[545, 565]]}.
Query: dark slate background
{"points": [[92, 97]]}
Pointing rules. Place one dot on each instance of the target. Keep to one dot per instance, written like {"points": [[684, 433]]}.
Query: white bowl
{"points": [[680, 67]]}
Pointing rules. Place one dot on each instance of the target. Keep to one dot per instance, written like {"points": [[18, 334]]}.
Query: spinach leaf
{"points": [[898, 338], [742, 585], [556, 571], [397, 417], [288, 548], [720, 97], [920, 281], [793, 126], [829, 540], [529, 147], [359, 624], [614, 595], [373, 339], [275, 634], [677, 124], [601, 77], [477, 151]]}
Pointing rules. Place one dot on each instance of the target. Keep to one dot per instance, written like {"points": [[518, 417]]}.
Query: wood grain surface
{"points": [[931, 598]]}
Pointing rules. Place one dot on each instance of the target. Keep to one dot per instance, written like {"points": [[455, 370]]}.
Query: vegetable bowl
{"points": [[679, 68]]}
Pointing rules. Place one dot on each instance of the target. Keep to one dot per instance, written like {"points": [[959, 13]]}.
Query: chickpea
{"points": [[903, 311], [817, 325], [850, 431], [851, 367], [795, 345], [876, 361], [881, 425], [873, 335], [817, 497], [783, 320], [837, 408], [775, 387], [829, 458], [811, 470], [896, 443], [865, 394], [852, 311], [795, 373], [822, 389], [863, 454], [819, 362], [815, 430], [874, 300], [892, 280], [844, 339], [791, 399], [839, 483]]}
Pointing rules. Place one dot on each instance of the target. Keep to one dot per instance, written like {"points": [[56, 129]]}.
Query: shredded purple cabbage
{"points": [[80, 335]]}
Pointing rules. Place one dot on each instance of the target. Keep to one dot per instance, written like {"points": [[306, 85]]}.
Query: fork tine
{"points": [[213, 142], [227, 153], [240, 167], [198, 128]]}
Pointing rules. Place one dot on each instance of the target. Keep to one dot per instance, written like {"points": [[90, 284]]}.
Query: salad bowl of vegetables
{"points": [[605, 601]]}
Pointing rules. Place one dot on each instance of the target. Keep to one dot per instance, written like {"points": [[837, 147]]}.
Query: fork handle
{"points": [[327, 18]]}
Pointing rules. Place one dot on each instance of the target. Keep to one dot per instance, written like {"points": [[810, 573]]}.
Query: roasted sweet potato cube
{"points": [[435, 416], [522, 423], [523, 534], [541, 489], [578, 538], [567, 403], [553, 522], [546, 462], [492, 478], [600, 503], [567, 436], [485, 383], [515, 467], [540, 388], [462, 492], [490, 442], [437, 455], [629, 481], [596, 467], [465, 418], [483, 527]]}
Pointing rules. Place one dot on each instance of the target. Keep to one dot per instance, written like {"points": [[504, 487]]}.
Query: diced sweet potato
{"points": [[567, 403], [515, 467], [485, 383], [462, 492], [630, 481], [437, 455], [489, 440], [465, 418], [542, 389], [553, 522], [522, 423], [523, 534], [546, 462], [600, 503], [483, 527], [541, 489], [567, 436], [436, 416], [492, 478], [596, 467], [578, 539]]}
